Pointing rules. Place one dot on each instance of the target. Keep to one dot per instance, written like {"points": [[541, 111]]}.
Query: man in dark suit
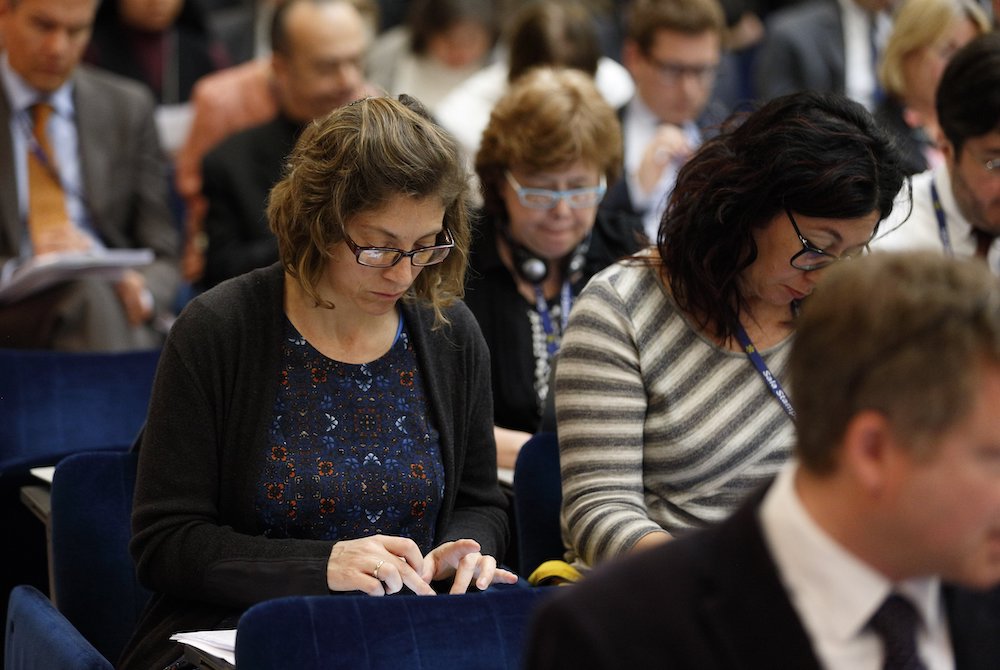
{"points": [[874, 545], [318, 49], [105, 159], [823, 45]]}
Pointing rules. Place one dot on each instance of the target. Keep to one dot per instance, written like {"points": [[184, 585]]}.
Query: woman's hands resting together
{"points": [[383, 564]]}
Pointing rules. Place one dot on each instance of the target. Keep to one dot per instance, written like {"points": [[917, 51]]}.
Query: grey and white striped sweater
{"points": [[658, 426]]}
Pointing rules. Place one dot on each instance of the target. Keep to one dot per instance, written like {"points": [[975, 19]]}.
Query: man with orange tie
{"points": [[956, 206], [81, 171]]}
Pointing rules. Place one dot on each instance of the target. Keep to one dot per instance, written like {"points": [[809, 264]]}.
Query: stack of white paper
{"points": [[21, 279], [218, 643]]}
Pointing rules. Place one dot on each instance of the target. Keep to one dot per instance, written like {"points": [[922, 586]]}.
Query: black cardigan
{"points": [[195, 540]]}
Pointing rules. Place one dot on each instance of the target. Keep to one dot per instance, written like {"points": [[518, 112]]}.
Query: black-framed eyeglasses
{"points": [[812, 257], [544, 198], [674, 72], [386, 257]]}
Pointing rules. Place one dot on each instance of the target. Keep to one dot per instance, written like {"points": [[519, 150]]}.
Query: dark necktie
{"points": [[896, 623]]}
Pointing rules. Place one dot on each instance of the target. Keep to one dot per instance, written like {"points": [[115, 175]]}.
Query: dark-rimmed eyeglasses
{"points": [[812, 257], [386, 257], [544, 198], [673, 72]]}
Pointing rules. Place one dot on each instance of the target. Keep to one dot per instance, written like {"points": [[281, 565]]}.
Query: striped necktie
{"points": [[46, 198]]}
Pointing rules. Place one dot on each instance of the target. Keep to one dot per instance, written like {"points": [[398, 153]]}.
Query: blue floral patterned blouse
{"points": [[353, 452]]}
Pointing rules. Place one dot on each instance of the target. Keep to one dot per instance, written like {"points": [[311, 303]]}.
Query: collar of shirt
{"points": [[22, 95], [834, 592], [963, 238]]}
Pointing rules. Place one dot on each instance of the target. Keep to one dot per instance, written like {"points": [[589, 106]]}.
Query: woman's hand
{"points": [[462, 559], [377, 565]]}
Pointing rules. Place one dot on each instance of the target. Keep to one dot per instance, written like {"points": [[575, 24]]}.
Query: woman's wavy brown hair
{"points": [[356, 160]]}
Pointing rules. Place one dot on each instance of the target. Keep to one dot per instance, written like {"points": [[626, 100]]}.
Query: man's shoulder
{"points": [[251, 143], [804, 12], [98, 84], [803, 16]]}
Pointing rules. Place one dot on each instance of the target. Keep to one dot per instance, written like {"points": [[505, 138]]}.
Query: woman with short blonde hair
{"points": [[925, 35]]}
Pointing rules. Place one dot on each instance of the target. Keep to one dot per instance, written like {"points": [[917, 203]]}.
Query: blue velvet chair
{"points": [[55, 403], [38, 637], [537, 502], [95, 585], [485, 631]]}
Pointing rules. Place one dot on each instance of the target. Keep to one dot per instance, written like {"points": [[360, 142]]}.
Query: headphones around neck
{"points": [[533, 269]]}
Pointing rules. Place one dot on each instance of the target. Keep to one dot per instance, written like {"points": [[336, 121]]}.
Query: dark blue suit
{"points": [[712, 599]]}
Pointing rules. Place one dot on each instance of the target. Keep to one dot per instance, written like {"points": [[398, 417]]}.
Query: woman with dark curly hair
{"points": [[324, 424], [669, 396]]}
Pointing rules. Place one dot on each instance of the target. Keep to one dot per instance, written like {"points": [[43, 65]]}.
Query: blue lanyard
{"points": [[772, 382], [565, 303], [942, 223]]}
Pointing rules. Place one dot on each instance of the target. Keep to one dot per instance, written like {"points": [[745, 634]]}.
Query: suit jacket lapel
{"points": [[748, 607], [95, 136], [974, 625], [832, 46], [10, 220]]}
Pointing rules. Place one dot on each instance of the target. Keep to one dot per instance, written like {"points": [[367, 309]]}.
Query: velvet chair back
{"points": [[477, 630], [95, 585], [38, 637], [55, 403], [537, 502]]}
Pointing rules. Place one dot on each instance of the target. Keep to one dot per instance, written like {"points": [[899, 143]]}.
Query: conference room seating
{"points": [[537, 501], [94, 580], [484, 630], [39, 637], [55, 403]]}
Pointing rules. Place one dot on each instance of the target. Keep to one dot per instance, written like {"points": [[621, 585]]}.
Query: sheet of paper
{"points": [[40, 272], [44, 473], [221, 643]]}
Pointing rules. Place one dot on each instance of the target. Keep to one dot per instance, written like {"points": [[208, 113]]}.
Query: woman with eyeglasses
{"points": [[549, 151], [670, 395], [324, 424]]}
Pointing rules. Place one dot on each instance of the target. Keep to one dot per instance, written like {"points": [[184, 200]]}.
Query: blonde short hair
{"points": [[919, 24]]}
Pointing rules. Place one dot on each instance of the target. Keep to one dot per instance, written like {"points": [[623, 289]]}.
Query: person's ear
{"points": [[868, 450], [948, 150]]}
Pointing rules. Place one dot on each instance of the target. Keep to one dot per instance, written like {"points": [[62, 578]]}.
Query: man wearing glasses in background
{"points": [[672, 50], [956, 206]]}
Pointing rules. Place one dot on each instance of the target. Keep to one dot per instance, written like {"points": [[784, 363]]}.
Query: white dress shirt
{"points": [[639, 126], [860, 64], [919, 229], [835, 593]]}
